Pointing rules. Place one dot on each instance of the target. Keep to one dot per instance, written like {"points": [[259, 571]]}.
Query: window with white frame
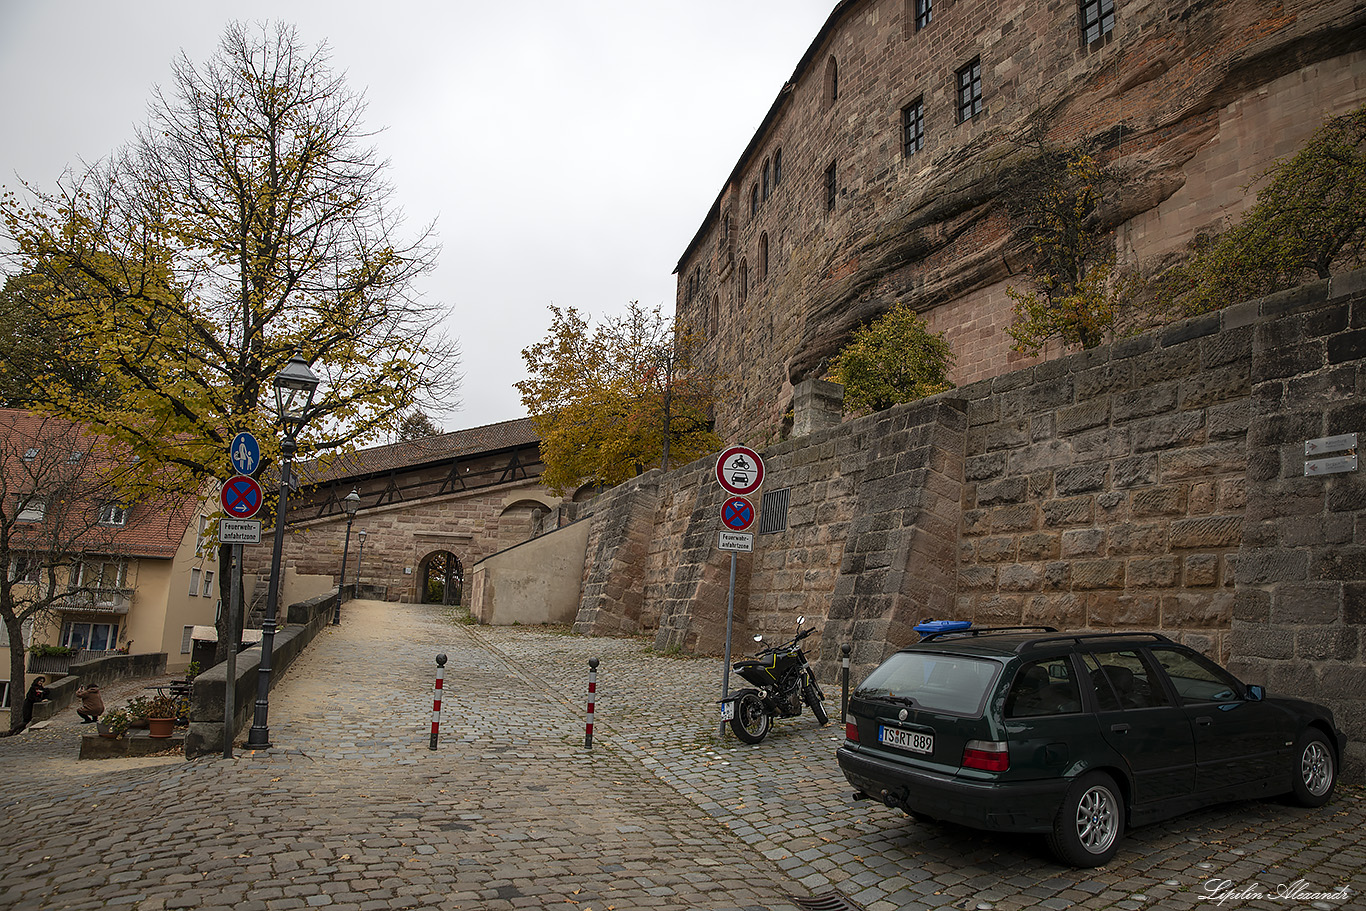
{"points": [[98, 637], [25, 568], [105, 575], [194, 583], [32, 509], [187, 640], [208, 584], [113, 514]]}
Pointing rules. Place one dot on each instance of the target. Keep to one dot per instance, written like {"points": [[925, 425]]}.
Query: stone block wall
{"points": [[1299, 615], [1106, 489], [1155, 483]]}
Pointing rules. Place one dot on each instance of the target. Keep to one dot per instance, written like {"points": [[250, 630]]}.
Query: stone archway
{"points": [[439, 579]]}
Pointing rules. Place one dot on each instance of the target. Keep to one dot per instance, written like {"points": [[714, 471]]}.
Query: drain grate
{"points": [[831, 902]]}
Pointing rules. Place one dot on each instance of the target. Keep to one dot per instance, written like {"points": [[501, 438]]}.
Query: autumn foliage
{"points": [[614, 400]]}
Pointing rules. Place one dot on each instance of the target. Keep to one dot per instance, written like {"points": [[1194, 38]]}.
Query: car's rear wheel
{"points": [[751, 722], [1089, 823], [1316, 769]]}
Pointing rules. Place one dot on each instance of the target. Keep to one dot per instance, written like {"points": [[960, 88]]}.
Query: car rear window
{"points": [[956, 684]]}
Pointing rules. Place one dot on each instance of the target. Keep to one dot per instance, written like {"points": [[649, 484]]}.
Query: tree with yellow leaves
{"points": [[247, 223], [614, 400]]}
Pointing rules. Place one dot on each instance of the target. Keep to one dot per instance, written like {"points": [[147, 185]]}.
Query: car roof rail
{"points": [[980, 630], [1078, 638]]}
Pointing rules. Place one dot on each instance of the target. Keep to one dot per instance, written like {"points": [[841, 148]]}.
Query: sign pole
{"points": [[230, 681], [730, 618]]}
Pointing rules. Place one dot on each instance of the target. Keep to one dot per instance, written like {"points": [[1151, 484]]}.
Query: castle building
{"points": [[882, 169]]}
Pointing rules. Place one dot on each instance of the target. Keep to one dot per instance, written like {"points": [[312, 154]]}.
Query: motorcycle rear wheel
{"points": [[751, 722], [813, 699]]}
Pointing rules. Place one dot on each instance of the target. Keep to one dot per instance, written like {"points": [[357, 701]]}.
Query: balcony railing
{"points": [[99, 601], [58, 664]]}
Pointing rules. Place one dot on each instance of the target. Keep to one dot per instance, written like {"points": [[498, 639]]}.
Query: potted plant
{"points": [[138, 708], [114, 723], [161, 715]]}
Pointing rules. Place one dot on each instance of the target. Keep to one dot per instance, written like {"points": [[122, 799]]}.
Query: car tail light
{"points": [[987, 755], [851, 731]]}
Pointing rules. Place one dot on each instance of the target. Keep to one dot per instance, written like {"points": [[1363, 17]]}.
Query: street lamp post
{"points": [[294, 388], [350, 503], [360, 555]]}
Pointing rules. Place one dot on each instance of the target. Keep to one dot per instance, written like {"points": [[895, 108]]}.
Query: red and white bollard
{"points": [[592, 697], [436, 699]]}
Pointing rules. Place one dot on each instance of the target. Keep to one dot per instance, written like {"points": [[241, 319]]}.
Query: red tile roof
{"points": [[153, 529], [440, 448]]}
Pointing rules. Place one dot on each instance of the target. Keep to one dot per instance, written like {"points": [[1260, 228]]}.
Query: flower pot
{"points": [[160, 727], [103, 730]]}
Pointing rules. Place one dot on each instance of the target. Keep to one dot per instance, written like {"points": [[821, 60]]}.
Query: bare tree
{"points": [[65, 497]]}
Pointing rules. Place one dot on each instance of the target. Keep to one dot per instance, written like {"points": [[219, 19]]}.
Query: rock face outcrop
{"points": [[830, 216]]}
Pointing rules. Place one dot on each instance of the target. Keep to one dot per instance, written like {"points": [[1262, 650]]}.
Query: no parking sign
{"points": [[241, 497]]}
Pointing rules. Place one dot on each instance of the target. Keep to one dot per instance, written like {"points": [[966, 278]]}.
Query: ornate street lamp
{"points": [[350, 503], [294, 388], [360, 555]]}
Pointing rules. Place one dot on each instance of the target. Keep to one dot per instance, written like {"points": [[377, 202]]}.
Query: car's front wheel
{"points": [[1316, 769], [1089, 823]]}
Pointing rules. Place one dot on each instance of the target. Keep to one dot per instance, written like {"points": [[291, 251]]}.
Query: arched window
{"points": [[763, 257], [744, 280], [777, 168], [716, 313], [754, 200], [832, 82], [768, 178]]}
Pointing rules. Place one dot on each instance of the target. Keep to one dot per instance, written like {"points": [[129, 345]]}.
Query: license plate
{"points": [[914, 741], [727, 711]]}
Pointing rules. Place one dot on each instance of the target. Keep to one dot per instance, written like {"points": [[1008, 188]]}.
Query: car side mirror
{"points": [[1256, 693]]}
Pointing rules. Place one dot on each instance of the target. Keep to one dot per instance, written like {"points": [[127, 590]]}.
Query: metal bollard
{"points": [[844, 686], [592, 696], [436, 699]]}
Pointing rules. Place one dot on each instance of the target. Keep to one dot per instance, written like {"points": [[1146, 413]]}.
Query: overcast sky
{"points": [[568, 150]]}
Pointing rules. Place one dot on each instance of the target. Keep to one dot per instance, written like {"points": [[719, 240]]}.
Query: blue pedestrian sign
{"points": [[245, 453]]}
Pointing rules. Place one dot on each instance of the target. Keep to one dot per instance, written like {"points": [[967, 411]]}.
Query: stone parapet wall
{"points": [[1155, 483]]}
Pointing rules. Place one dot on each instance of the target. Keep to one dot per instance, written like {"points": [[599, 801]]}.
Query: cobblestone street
{"points": [[351, 810]]}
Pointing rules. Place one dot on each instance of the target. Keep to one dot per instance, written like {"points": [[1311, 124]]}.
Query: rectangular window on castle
{"points": [[924, 12], [830, 187], [970, 90], [913, 127], [1097, 21]]}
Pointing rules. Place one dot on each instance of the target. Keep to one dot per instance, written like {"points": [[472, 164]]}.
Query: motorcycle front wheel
{"points": [[751, 722], [813, 699]]}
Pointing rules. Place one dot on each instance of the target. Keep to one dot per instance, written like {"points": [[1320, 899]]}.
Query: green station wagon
{"points": [[1075, 735]]}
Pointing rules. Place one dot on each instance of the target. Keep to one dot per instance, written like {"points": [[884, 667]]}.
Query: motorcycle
{"points": [[782, 681]]}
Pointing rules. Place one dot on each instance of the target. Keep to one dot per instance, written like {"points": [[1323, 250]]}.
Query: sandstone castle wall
{"points": [[1187, 100], [1155, 483]]}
